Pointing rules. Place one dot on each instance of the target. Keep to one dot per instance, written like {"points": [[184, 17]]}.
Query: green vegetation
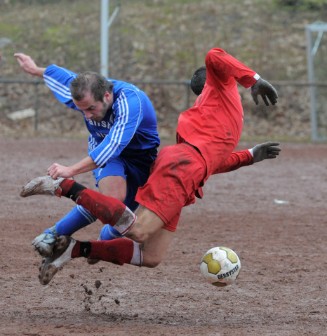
{"points": [[167, 40]]}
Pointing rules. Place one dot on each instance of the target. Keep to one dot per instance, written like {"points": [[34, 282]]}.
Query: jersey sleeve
{"points": [[128, 116], [222, 68], [58, 80], [235, 161]]}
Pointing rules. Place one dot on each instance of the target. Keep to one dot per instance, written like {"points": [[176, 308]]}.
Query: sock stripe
{"points": [[128, 228]]}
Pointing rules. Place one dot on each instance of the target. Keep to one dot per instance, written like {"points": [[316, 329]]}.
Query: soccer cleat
{"points": [[44, 243], [62, 253], [43, 185]]}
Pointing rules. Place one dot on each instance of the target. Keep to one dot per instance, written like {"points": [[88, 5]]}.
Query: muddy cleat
{"points": [[43, 185], [62, 252], [44, 243]]}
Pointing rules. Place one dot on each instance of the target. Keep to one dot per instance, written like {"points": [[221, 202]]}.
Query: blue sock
{"points": [[76, 219], [108, 233], [51, 230]]}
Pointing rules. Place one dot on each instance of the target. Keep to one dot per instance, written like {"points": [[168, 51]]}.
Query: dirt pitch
{"points": [[273, 214]]}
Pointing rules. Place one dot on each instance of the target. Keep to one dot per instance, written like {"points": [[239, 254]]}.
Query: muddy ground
{"points": [[272, 214]]}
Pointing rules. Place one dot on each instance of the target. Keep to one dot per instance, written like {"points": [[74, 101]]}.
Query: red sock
{"points": [[118, 251], [107, 209], [65, 186]]}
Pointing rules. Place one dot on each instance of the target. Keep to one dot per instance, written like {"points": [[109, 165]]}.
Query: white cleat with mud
{"points": [[43, 185], [44, 244], [62, 253]]}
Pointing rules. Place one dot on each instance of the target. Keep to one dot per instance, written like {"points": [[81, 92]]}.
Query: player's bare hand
{"points": [[56, 170], [28, 65], [265, 90], [267, 150]]}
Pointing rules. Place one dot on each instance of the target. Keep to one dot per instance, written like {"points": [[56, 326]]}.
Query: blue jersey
{"points": [[128, 128]]}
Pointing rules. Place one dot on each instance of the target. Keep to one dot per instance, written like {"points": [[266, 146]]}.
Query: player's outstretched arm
{"points": [[260, 152], [266, 150], [28, 65], [265, 90]]}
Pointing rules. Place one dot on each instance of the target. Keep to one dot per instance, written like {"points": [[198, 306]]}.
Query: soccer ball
{"points": [[220, 266]]}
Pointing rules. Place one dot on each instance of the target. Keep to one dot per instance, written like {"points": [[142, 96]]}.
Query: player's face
{"points": [[94, 110]]}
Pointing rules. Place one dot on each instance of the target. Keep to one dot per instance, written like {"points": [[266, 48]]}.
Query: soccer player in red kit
{"points": [[207, 135]]}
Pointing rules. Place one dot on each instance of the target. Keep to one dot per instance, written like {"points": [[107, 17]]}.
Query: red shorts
{"points": [[177, 173]]}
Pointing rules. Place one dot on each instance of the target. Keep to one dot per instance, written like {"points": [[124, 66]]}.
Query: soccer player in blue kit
{"points": [[122, 143]]}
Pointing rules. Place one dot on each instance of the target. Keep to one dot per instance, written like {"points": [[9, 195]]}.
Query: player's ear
{"points": [[107, 96]]}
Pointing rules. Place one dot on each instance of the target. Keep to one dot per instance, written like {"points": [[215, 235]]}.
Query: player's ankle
{"points": [[71, 189]]}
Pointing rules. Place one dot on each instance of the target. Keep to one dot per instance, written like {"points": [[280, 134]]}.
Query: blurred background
{"points": [[157, 44]]}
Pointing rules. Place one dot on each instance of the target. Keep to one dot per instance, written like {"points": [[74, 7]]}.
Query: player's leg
{"points": [[160, 234], [118, 251], [107, 209], [135, 169], [73, 221], [154, 249], [79, 217], [114, 186], [108, 232], [112, 181], [149, 253], [124, 250]]}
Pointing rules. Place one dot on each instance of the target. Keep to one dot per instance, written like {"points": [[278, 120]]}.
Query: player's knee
{"points": [[113, 186], [151, 262], [137, 234], [121, 196]]}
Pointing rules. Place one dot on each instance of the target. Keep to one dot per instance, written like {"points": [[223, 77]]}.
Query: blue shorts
{"points": [[134, 168]]}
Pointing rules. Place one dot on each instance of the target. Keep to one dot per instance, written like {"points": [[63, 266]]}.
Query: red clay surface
{"points": [[272, 214]]}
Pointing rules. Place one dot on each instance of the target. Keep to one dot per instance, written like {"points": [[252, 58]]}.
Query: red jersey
{"points": [[214, 123], [213, 126]]}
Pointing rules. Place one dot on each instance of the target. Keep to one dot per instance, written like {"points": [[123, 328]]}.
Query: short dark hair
{"points": [[198, 79], [91, 82]]}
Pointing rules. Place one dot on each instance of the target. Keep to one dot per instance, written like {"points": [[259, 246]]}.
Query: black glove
{"points": [[267, 150], [265, 90]]}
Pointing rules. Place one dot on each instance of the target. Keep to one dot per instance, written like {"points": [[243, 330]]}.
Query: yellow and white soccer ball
{"points": [[220, 266]]}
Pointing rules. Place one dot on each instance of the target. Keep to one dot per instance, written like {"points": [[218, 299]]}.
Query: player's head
{"points": [[198, 79], [90, 82], [92, 94]]}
